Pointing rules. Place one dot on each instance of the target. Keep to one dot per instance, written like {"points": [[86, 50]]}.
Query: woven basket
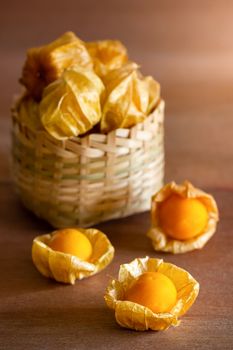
{"points": [[84, 181]]}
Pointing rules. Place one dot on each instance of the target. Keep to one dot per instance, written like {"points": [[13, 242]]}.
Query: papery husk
{"points": [[160, 241], [154, 93], [67, 268], [138, 317], [72, 104], [27, 110], [47, 63], [107, 55], [129, 98]]}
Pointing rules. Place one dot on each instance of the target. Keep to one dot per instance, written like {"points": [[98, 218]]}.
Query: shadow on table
{"points": [[59, 318], [15, 217]]}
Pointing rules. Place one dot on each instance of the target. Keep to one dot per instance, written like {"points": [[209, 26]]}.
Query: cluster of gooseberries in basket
{"points": [[74, 86]]}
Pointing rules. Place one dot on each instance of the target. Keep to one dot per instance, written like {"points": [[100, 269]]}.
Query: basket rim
{"points": [[121, 132]]}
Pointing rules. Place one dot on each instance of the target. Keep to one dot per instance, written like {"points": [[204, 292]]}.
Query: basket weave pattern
{"points": [[84, 181]]}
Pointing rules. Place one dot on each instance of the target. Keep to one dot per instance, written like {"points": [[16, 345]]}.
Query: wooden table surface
{"points": [[188, 47]]}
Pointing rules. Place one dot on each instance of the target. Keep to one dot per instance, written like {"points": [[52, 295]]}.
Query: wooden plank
{"points": [[38, 313]]}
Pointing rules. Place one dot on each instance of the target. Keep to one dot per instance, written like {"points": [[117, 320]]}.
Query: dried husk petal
{"points": [[107, 55], [27, 110], [154, 93], [160, 241], [72, 104], [67, 268], [129, 98], [138, 317], [47, 63]]}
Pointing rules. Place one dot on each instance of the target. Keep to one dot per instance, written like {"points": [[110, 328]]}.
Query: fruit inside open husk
{"points": [[72, 241], [55, 255], [176, 289], [183, 218], [153, 290]]}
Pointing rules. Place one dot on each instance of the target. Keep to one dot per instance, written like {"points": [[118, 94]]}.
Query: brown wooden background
{"points": [[188, 46]]}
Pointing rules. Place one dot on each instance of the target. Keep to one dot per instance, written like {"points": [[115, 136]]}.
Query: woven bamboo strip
{"points": [[84, 181]]}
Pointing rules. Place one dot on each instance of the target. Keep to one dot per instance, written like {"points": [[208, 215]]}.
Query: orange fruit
{"points": [[182, 218], [153, 290], [72, 241]]}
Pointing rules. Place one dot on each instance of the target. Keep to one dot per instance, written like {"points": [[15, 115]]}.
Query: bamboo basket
{"points": [[87, 180]]}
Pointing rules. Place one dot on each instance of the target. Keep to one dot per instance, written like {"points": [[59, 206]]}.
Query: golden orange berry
{"points": [[153, 290], [182, 218], [71, 241]]}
